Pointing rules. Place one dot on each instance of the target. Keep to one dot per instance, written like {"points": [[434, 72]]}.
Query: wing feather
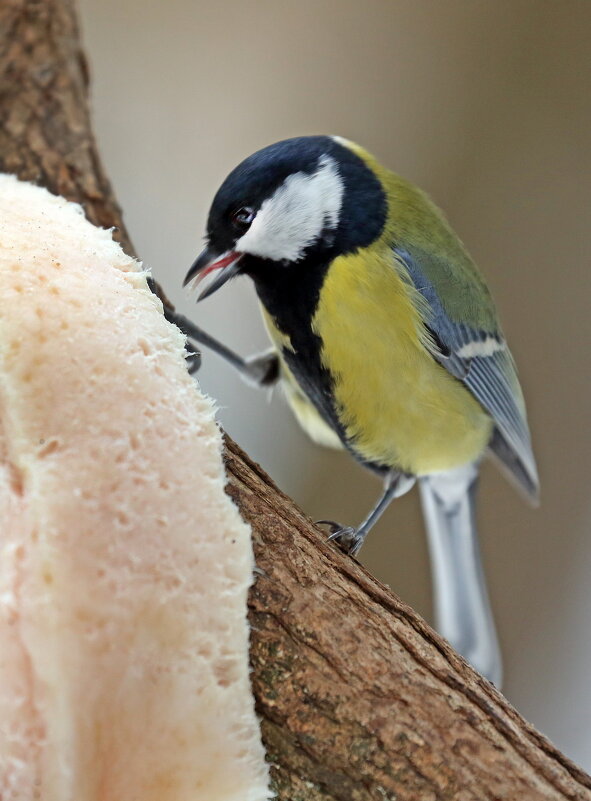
{"points": [[482, 361]]}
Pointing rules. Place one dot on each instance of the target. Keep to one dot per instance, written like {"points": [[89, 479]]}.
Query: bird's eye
{"points": [[243, 217]]}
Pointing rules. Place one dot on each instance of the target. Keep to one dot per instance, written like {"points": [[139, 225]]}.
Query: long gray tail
{"points": [[462, 608]]}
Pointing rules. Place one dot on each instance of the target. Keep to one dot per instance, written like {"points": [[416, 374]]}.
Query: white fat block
{"points": [[124, 567]]}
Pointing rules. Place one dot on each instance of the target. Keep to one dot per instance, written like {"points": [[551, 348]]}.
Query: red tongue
{"points": [[217, 265]]}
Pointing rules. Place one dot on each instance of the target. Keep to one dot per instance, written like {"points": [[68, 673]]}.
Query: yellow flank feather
{"points": [[398, 406], [305, 413]]}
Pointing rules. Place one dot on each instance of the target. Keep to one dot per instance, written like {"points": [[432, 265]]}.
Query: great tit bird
{"points": [[386, 342]]}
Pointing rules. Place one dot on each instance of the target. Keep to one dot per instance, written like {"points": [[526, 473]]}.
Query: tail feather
{"points": [[462, 608]]}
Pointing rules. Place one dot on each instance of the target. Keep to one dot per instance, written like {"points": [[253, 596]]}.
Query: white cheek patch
{"points": [[295, 216]]}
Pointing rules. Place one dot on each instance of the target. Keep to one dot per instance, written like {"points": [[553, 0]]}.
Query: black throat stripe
{"points": [[290, 293]]}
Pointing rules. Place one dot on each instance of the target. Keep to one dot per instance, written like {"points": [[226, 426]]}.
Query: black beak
{"points": [[228, 263]]}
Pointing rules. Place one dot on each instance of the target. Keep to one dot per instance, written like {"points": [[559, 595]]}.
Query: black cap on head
{"points": [[362, 210]]}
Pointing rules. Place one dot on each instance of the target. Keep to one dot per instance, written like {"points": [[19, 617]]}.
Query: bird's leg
{"points": [[192, 356], [262, 370], [351, 539]]}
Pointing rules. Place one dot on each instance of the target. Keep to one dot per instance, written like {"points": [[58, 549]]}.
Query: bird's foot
{"points": [[348, 539], [261, 370], [193, 361], [258, 571]]}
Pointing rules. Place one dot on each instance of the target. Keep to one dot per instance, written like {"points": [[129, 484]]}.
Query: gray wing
{"points": [[482, 361]]}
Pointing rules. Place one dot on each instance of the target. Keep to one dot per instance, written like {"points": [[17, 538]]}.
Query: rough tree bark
{"points": [[359, 698]]}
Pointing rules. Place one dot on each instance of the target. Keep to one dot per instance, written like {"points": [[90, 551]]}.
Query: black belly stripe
{"points": [[290, 294]]}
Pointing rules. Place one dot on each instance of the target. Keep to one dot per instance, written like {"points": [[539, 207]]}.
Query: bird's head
{"points": [[298, 202]]}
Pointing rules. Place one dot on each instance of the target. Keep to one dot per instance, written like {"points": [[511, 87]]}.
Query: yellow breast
{"points": [[399, 407]]}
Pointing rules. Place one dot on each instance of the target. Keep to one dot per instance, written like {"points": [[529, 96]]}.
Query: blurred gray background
{"points": [[487, 105]]}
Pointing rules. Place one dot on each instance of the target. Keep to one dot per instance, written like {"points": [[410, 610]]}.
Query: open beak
{"points": [[206, 263]]}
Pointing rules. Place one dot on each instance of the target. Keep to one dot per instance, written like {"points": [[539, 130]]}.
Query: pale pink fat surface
{"points": [[124, 567]]}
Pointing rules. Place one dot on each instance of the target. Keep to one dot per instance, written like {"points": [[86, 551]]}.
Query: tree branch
{"points": [[359, 698]]}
